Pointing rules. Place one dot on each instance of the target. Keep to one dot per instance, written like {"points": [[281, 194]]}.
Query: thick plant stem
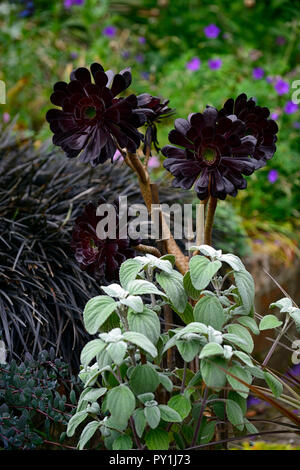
{"points": [[147, 156], [212, 204], [148, 249], [200, 224], [133, 161], [198, 425]]}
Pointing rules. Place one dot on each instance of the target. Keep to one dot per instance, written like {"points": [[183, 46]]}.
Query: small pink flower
{"points": [[193, 64], [117, 157], [290, 107], [274, 116], [215, 64], [211, 31], [273, 176], [281, 87], [258, 73], [154, 162], [6, 118]]}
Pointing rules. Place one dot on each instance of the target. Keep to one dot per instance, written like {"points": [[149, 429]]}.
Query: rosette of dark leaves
{"points": [[215, 154], [92, 120], [155, 109], [99, 257], [257, 122]]}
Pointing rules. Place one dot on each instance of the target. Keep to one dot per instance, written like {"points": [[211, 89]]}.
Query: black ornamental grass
{"points": [[43, 289]]}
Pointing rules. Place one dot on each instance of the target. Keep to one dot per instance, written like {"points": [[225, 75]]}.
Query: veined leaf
{"points": [[209, 310], [268, 322], [88, 433], [172, 284], [245, 284], [97, 311], [202, 271], [129, 271], [141, 341]]}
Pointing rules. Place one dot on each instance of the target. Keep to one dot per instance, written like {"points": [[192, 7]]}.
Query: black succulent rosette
{"points": [[92, 120], [101, 258], [257, 123], [212, 153], [156, 109]]}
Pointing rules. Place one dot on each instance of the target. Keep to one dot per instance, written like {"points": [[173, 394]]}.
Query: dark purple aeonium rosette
{"points": [[101, 258], [92, 120], [155, 109], [217, 150], [257, 123]]}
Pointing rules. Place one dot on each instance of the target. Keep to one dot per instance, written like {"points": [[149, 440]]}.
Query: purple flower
{"points": [[274, 116], [251, 401], [109, 31], [269, 79], [272, 176], [142, 40], [295, 370], [70, 3], [145, 75], [193, 64], [281, 87], [258, 73], [125, 54], [280, 40], [6, 118], [211, 31], [74, 55], [296, 125], [290, 107], [215, 64], [140, 58]]}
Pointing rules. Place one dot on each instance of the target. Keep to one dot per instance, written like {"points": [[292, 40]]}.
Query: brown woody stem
{"points": [[212, 204], [148, 249], [133, 161], [147, 156]]}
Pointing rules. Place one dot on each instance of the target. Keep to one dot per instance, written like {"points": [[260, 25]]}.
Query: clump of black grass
{"points": [[43, 291]]}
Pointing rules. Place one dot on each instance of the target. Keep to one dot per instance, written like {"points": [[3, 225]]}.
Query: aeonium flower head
{"points": [[92, 120], [155, 109], [100, 257], [257, 123], [214, 154]]}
